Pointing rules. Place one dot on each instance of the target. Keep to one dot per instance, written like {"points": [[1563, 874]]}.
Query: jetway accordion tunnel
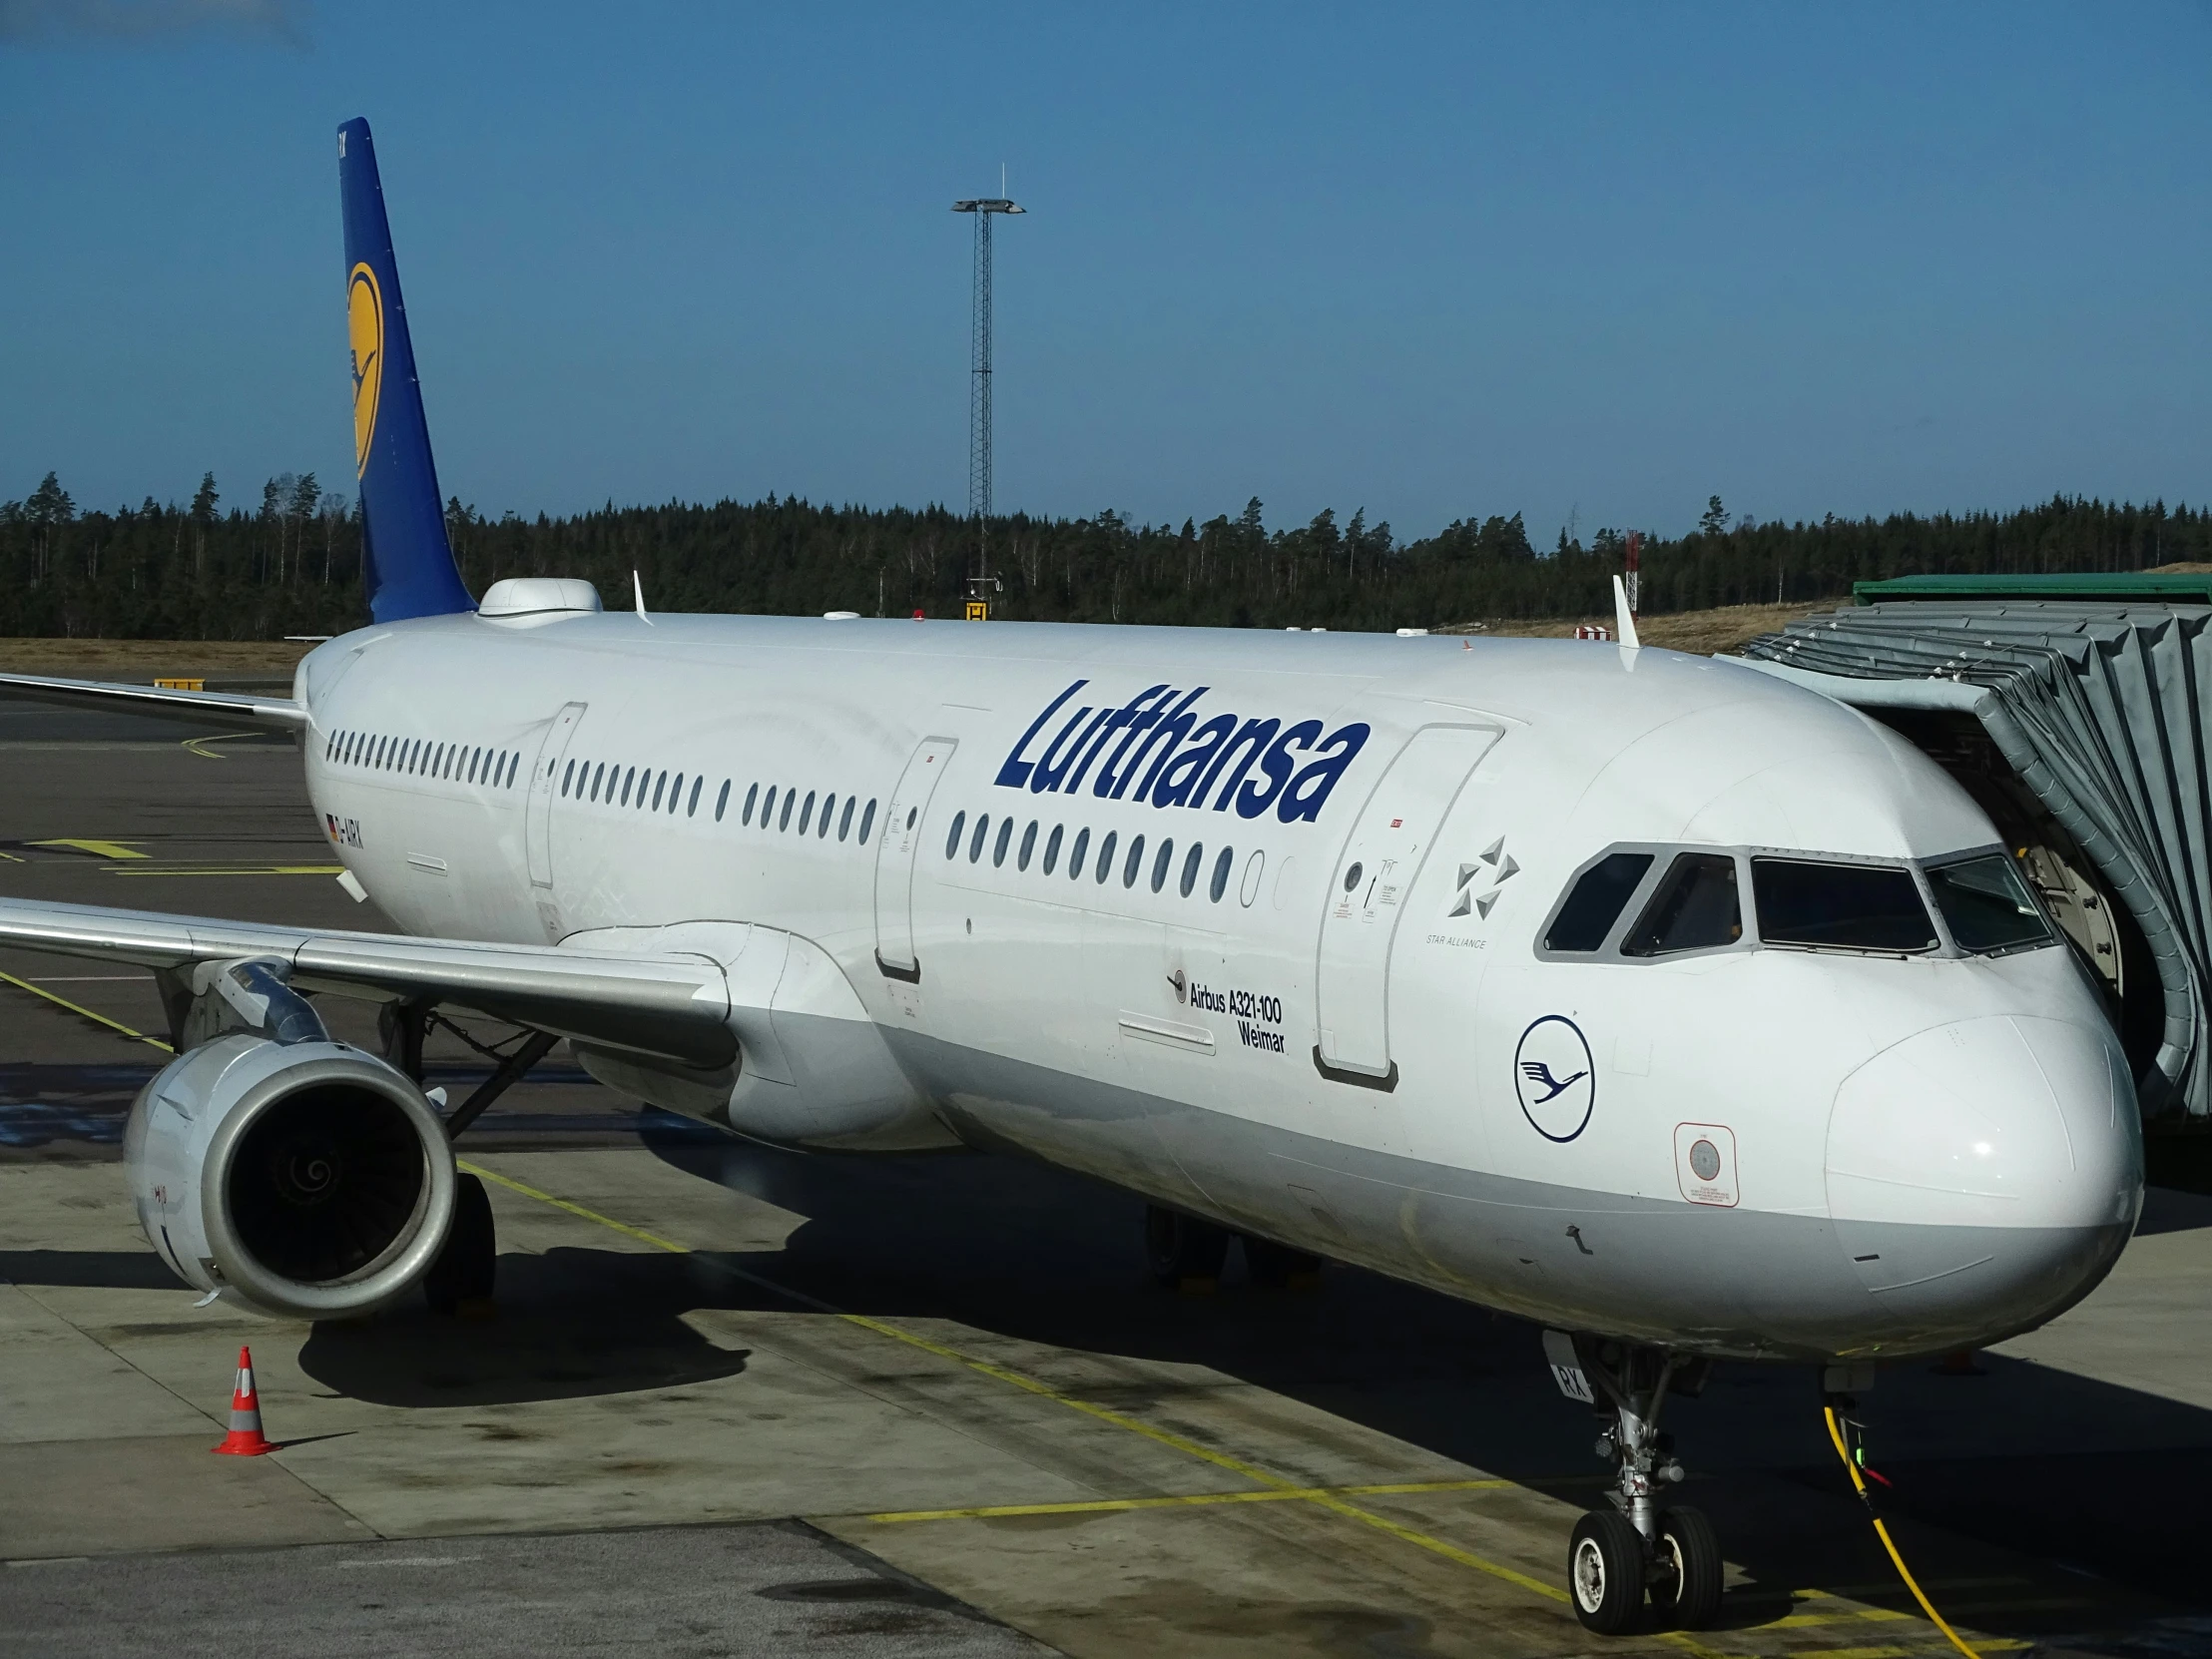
{"points": [[2076, 711]]}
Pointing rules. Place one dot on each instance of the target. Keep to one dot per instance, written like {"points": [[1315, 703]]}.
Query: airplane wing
{"points": [[671, 1004], [161, 702]]}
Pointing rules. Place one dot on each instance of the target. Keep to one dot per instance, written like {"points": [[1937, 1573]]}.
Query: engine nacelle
{"points": [[288, 1173]]}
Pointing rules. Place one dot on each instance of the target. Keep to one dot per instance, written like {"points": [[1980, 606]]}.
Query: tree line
{"points": [[291, 564]]}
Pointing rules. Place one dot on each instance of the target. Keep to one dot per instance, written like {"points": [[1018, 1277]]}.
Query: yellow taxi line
{"points": [[1106, 1505], [79, 1008]]}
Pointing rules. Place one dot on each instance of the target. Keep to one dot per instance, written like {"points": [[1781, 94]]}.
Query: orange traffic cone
{"points": [[246, 1438]]}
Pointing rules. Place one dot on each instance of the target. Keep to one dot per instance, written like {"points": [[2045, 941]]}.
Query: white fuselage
{"points": [[1360, 1045]]}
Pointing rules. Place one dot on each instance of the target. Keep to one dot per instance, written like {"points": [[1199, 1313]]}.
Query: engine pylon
{"points": [[246, 1438]]}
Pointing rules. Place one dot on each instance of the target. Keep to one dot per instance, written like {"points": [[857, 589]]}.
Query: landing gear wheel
{"points": [[1605, 1572], [460, 1279], [1185, 1254], [1277, 1267], [1687, 1593]]}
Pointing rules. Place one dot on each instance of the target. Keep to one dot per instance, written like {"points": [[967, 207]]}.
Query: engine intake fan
{"points": [[288, 1172]]}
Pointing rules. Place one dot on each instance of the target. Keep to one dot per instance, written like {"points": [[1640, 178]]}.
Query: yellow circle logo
{"points": [[364, 320]]}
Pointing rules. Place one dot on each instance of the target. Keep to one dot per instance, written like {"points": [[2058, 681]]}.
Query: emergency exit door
{"points": [[895, 857], [1389, 843]]}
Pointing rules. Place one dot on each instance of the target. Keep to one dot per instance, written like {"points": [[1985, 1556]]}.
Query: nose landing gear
{"points": [[1641, 1547]]}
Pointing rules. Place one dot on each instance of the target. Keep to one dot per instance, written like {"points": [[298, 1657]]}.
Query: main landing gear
{"points": [[461, 1281], [1640, 1546], [1187, 1253]]}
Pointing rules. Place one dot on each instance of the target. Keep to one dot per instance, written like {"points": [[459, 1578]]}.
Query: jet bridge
{"points": [[2075, 710]]}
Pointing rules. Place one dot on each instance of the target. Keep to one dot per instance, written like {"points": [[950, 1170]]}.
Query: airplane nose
{"points": [[1984, 1176]]}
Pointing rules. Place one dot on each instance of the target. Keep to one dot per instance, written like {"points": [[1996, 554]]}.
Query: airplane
{"points": [[1682, 1011]]}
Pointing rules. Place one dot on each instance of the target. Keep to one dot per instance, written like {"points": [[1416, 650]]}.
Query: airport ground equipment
{"points": [[2080, 724]]}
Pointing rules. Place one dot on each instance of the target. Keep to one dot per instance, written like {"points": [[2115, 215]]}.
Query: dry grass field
{"points": [[1700, 631]]}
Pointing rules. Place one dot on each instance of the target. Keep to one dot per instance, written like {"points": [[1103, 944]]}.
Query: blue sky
{"points": [[1599, 261]]}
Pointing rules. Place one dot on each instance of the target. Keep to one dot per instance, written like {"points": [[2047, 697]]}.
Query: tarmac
{"points": [[742, 1401]]}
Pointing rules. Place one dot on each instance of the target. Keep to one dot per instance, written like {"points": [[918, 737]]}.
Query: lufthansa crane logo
{"points": [[1554, 1077], [364, 322]]}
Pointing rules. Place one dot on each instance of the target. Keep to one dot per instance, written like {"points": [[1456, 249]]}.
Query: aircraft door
{"points": [[538, 810], [1389, 843], [895, 857]]}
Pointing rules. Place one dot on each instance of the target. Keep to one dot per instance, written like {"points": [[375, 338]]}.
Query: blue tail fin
{"points": [[407, 562]]}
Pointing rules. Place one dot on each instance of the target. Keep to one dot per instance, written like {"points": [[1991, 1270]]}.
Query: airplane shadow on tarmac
{"points": [[2062, 1469]]}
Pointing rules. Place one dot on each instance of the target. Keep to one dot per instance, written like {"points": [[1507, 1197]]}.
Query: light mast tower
{"points": [[981, 584]]}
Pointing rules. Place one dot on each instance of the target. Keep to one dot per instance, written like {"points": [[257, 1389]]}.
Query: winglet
{"points": [[1624, 624], [637, 587]]}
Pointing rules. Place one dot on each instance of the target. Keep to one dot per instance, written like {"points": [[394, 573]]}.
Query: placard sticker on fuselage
{"points": [[1556, 1077], [1704, 1163]]}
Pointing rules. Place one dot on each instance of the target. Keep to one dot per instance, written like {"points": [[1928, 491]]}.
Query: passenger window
{"points": [[568, 775], [691, 808], [806, 813], [868, 822], [1695, 908], [751, 794], [1838, 907], [721, 801], [1597, 902], [1052, 850], [629, 776], [1005, 839], [1220, 883], [768, 807], [1028, 846], [1075, 854], [791, 799], [975, 842], [1105, 866], [675, 795], [1987, 906], [822, 828], [1160, 862], [845, 821], [1191, 863], [953, 841], [598, 779]]}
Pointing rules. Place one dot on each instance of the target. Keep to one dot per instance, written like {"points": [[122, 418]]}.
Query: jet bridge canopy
{"points": [[2081, 725]]}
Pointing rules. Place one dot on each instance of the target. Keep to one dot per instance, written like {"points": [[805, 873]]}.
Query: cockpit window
{"points": [[1840, 906], [1595, 903], [1695, 908], [1986, 905]]}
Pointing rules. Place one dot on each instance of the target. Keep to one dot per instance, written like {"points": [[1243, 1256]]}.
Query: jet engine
{"points": [[279, 1169]]}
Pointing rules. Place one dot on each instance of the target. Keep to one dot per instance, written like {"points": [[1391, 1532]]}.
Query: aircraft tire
{"points": [[463, 1277], [1183, 1252], [1605, 1572], [1689, 1595]]}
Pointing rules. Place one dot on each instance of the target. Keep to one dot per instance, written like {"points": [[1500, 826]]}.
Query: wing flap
{"points": [[671, 1004]]}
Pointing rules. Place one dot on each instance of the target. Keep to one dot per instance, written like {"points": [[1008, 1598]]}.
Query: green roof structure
{"points": [[2113, 588]]}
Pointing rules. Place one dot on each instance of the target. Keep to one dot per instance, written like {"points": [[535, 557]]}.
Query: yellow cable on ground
{"points": [[1835, 1433]]}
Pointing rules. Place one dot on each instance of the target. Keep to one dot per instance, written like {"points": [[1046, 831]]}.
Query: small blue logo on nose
{"points": [[1554, 1077]]}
